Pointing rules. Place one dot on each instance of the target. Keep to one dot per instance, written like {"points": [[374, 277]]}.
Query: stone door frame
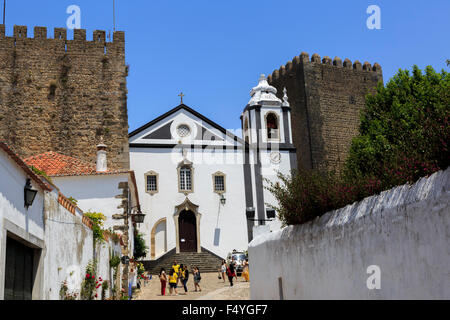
{"points": [[188, 206]]}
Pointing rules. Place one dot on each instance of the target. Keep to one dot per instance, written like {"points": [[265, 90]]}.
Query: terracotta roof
{"points": [[58, 165], [42, 184]]}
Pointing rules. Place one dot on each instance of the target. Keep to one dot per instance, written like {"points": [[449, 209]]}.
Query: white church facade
{"points": [[202, 186]]}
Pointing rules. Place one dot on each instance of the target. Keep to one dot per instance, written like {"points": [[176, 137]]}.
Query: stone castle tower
{"points": [[326, 97], [63, 95]]}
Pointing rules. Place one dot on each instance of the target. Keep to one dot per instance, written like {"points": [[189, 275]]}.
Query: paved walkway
{"points": [[212, 289]]}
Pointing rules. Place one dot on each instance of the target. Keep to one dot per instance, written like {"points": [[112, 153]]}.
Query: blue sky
{"points": [[214, 51]]}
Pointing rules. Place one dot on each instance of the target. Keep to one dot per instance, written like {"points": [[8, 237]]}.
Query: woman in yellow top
{"points": [[173, 279], [175, 266], [245, 271]]}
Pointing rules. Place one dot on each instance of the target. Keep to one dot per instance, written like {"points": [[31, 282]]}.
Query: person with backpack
{"points": [[163, 280], [197, 278]]}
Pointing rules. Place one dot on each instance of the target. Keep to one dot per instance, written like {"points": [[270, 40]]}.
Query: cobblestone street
{"points": [[212, 289]]}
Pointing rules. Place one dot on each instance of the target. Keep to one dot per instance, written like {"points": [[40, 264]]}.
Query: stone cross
{"points": [[181, 95]]}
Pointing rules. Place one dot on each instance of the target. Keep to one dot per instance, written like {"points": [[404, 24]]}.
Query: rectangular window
{"points": [[152, 183], [185, 179], [219, 183]]}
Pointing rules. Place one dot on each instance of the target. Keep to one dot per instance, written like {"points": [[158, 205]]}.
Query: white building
{"points": [[22, 229], [45, 239], [198, 182], [95, 189]]}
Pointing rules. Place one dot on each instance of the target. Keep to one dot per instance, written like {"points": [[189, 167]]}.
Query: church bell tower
{"points": [[266, 126]]}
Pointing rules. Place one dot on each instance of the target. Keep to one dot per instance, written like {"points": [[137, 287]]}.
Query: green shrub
{"points": [[89, 283], [404, 135], [404, 129]]}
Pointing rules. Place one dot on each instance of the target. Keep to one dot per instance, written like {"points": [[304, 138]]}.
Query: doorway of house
{"points": [[187, 223], [19, 276]]}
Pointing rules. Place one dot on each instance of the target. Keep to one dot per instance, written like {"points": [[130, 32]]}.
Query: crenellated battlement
{"points": [[99, 38], [304, 59], [59, 94], [326, 97]]}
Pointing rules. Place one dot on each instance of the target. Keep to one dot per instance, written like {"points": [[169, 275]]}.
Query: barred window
{"points": [[219, 183], [185, 179], [152, 183]]}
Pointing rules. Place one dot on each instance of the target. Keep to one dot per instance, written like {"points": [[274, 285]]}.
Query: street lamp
{"points": [[270, 213], [250, 213], [29, 194], [223, 200], [139, 217]]}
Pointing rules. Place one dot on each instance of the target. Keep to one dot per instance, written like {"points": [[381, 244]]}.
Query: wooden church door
{"points": [[187, 231]]}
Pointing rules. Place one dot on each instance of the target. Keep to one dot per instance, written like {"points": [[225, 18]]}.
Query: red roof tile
{"points": [[56, 164]]}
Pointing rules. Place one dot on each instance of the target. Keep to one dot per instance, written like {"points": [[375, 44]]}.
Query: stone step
{"points": [[206, 261]]}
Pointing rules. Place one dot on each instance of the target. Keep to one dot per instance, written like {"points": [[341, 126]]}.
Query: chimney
{"points": [[102, 165]]}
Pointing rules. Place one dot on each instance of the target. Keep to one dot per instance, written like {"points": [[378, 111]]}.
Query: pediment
{"points": [[197, 130]]}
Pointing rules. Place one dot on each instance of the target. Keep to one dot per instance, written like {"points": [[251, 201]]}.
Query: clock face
{"points": [[275, 157]]}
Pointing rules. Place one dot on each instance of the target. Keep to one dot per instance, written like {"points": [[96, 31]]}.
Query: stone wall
{"points": [[326, 98], [403, 231], [62, 95]]}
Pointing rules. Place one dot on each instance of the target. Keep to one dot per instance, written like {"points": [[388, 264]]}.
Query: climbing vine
{"points": [[98, 220]]}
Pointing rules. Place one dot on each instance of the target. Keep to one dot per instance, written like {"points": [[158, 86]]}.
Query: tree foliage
{"points": [[403, 136], [404, 129], [140, 249]]}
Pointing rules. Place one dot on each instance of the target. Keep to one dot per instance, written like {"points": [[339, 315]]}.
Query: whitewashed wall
{"points": [[403, 231], [69, 248], [12, 183], [26, 224], [96, 193]]}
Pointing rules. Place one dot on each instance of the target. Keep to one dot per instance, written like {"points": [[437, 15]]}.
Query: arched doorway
{"points": [[187, 225], [187, 235], [159, 239]]}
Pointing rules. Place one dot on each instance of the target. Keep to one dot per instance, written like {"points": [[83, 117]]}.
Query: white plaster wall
{"points": [[231, 220], [26, 224], [12, 183], [161, 239], [95, 193], [103, 253], [269, 171], [404, 231], [69, 248]]}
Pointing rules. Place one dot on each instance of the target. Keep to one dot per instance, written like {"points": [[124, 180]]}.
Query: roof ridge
{"points": [[196, 113]]}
